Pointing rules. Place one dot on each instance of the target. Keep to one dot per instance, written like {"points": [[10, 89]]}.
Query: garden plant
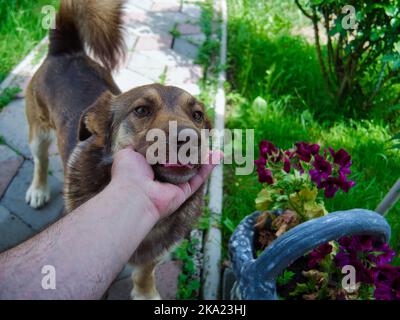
{"points": [[276, 87], [295, 183]]}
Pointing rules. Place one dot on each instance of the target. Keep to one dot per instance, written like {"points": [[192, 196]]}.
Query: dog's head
{"points": [[147, 115]]}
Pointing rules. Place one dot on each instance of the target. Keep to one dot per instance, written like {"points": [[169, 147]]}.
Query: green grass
{"points": [[266, 60], [174, 32], [7, 95], [188, 286], [20, 30]]}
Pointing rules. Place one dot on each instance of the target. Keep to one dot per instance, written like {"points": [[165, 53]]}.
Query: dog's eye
{"points": [[142, 111], [198, 116]]}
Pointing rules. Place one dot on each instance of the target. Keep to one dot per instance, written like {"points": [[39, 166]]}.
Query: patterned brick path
{"points": [[154, 56]]}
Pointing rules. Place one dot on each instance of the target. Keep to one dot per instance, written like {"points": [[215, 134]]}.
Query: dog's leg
{"points": [[38, 193], [144, 282]]}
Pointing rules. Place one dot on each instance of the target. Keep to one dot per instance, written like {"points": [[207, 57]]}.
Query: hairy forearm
{"points": [[87, 248]]}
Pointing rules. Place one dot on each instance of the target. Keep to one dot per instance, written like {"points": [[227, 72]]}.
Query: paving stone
{"points": [[125, 273], [14, 199], [154, 23], [9, 165], [130, 39], [22, 82], [120, 290], [56, 167], [195, 39], [154, 42], [167, 5], [192, 10], [188, 28], [167, 56], [127, 80], [139, 59], [134, 15], [14, 128], [166, 21], [146, 66], [144, 30], [186, 74], [150, 73], [185, 48], [192, 88], [12, 230], [167, 283], [167, 279], [143, 4]]}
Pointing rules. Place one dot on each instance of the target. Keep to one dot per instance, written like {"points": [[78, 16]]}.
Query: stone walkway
{"points": [[155, 55]]}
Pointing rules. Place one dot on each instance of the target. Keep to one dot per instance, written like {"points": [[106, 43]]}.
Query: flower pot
{"points": [[256, 278]]}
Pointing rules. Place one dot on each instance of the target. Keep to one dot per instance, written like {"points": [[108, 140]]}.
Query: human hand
{"points": [[131, 170]]}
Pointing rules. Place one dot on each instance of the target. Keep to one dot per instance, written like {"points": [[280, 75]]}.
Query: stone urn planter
{"points": [[256, 277]]}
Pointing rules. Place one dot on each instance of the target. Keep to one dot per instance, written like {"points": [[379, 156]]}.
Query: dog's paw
{"points": [[154, 295], [37, 197]]}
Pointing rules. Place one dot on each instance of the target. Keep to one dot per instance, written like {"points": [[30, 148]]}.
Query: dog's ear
{"points": [[96, 119]]}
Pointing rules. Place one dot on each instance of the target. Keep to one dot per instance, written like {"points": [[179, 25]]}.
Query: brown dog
{"points": [[77, 98]]}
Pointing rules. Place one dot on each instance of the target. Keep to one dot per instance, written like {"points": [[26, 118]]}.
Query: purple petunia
{"points": [[267, 148], [341, 157], [322, 169], [318, 254], [305, 151], [265, 175], [332, 185], [329, 171], [286, 165], [375, 252], [365, 254], [387, 283]]}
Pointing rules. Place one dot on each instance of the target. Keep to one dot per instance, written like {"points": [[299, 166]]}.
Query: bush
{"points": [[362, 61]]}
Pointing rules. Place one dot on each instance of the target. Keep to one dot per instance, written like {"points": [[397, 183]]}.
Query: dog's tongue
{"points": [[178, 165]]}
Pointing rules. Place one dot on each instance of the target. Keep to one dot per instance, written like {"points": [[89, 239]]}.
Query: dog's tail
{"points": [[95, 24]]}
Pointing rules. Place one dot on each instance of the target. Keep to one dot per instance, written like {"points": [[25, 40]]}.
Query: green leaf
{"points": [[229, 224], [390, 11], [194, 285], [285, 278], [299, 290], [396, 136]]}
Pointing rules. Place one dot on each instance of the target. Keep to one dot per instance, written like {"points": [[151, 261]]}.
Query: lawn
{"points": [[269, 59], [20, 30]]}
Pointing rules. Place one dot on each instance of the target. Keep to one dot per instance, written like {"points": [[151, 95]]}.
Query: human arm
{"points": [[89, 246]]}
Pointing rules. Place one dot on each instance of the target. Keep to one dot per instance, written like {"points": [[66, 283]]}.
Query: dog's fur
{"points": [[76, 97]]}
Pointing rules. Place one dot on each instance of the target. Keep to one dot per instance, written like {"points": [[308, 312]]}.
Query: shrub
{"points": [[362, 60]]}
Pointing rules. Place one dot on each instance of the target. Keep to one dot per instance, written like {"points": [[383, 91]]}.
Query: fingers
{"points": [[205, 170], [132, 162]]}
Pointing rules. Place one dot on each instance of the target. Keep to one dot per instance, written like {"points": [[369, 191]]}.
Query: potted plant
{"points": [[291, 248]]}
